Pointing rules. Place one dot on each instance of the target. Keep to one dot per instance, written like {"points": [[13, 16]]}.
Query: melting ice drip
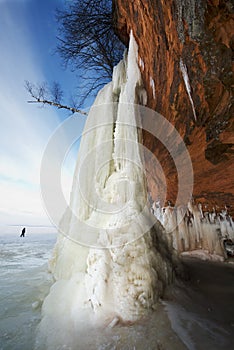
{"points": [[108, 268], [199, 231]]}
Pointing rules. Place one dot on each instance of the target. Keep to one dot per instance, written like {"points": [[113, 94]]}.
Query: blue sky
{"points": [[28, 41]]}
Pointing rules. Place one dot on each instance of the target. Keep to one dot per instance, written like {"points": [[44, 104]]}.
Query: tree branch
{"points": [[40, 95], [58, 105]]}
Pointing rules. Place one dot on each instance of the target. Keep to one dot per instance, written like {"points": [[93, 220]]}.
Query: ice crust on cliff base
{"points": [[105, 262], [198, 232]]}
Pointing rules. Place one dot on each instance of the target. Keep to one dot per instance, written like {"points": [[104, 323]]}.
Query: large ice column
{"points": [[105, 262]]}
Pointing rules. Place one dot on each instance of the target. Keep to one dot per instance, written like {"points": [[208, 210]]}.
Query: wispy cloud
{"points": [[25, 129]]}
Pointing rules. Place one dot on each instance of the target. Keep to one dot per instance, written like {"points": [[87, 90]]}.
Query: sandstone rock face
{"points": [[197, 37]]}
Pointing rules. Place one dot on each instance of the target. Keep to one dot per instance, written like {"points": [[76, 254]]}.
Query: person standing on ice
{"points": [[23, 232]]}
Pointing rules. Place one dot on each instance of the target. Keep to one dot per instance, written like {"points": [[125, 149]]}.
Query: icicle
{"points": [[184, 71], [197, 231], [141, 63], [152, 86]]}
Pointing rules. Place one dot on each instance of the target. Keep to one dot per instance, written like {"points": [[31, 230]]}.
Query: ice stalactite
{"points": [[141, 63], [105, 261], [199, 231], [152, 87], [184, 72]]}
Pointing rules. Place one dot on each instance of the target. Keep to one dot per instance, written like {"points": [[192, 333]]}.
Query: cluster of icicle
{"points": [[105, 266], [197, 229]]}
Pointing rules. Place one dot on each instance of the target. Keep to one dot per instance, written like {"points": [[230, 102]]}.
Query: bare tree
{"points": [[87, 40], [45, 95], [88, 44], [56, 92]]}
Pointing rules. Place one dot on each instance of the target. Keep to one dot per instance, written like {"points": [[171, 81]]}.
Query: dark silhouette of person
{"points": [[23, 232]]}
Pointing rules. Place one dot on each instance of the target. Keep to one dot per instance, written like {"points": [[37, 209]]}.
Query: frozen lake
{"points": [[196, 314], [24, 284]]}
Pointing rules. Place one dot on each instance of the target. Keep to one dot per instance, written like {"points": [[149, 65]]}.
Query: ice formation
{"points": [[152, 86], [198, 231], [184, 72], [105, 264], [141, 63]]}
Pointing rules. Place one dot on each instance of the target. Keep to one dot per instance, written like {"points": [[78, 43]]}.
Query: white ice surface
{"points": [[104, 262]]}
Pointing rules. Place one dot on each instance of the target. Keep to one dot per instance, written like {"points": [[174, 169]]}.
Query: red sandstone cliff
{"points": [[201, 34]]}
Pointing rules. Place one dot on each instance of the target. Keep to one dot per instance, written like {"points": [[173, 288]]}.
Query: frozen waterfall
{"points": [[105, 263]]}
